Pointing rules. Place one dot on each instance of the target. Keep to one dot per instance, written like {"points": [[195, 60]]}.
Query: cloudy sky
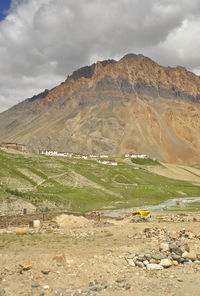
{"points": [[42, 41]]}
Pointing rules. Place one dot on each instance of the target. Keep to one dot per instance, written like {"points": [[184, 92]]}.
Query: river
{"points": [[165, 204]]}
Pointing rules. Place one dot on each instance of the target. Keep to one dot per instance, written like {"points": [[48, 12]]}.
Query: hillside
{"points": [[114, 107], [36, 181]]}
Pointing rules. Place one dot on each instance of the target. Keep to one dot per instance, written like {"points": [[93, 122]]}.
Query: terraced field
{"points": [[35, 182]]}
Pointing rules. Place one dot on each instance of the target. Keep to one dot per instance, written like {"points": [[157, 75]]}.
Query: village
{"points": [[102, 158]]}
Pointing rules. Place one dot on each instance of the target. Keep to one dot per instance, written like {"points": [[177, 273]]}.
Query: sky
{"points": [[4, 6], [44, 41]]}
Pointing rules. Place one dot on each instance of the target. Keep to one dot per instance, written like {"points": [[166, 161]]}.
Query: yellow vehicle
{"points": [[143, 213]]}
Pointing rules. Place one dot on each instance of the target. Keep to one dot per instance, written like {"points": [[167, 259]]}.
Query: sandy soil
{"points": [[178, 172], [85, 253]]}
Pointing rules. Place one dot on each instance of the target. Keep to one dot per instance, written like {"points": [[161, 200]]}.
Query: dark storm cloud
{"points": [[42, 41]]}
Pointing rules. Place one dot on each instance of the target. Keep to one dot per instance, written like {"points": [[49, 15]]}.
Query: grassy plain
{"points": [[85, 185]]}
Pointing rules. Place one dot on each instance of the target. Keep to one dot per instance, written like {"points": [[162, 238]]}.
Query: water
{"points": [[165, 204]]}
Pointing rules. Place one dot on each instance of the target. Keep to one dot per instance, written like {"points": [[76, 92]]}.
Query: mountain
{"points": [[114, 107]]}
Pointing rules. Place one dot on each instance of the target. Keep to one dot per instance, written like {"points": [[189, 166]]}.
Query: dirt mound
{"points": [[72, 221]]}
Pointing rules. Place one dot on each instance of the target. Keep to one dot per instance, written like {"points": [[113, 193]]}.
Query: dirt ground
{"points": [[73, 255], [178, 172]]}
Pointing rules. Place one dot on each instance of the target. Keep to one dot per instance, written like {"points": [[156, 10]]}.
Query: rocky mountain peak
{"points": [[130, 106], [87, 71]]}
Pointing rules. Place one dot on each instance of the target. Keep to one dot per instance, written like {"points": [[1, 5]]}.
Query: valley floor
{"points": [[72, 255]]}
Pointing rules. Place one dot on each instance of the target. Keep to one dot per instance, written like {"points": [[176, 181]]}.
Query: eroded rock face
{"points": [[133, 105]]}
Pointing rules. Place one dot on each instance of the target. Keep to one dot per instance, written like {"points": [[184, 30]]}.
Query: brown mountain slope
{"points": [[133, 105]]}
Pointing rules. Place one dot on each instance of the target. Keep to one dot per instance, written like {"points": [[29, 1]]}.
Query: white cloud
{"points": [[42, 41]]}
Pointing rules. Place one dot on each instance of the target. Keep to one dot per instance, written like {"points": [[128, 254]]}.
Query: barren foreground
{"points": [[79, 256]]}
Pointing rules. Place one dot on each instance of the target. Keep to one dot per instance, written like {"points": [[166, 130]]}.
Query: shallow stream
{"points": [[165, 204]]}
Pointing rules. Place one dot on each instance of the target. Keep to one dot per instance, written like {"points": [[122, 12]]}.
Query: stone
{"points": [[164, 246], [159, 256], [26, 265], [22, 232], [45, 271], [139, 264], [184, 255], [192, 256], [166, 263], [175, 262], [46, 287], [35, 285], [176, 250], [141, 258], [146, 262], [176, 257], [130, 262], [154, 266], [174, 236]]}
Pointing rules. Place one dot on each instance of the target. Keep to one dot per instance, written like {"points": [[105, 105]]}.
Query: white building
{"points": [[107, 162], [131, 155], [50, 152], [103, 156]]}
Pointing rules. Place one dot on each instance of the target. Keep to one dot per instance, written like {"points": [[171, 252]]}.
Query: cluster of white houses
{"points": [[143, 156], [107, 161], [103, 159], [72, 154]]}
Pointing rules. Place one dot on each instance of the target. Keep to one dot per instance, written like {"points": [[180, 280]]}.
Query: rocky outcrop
{"points": [[133, 105]]}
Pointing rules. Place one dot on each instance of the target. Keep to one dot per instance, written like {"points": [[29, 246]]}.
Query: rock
{"points": [[177, 250], [141, 258], [192, 256], [176, 257], [175, 262], [184, 255], [159, 256], [166, 263], [139, 264], [130, 256], [35, 285], [153, 261], [26, 265], [46, 287], [22, 232], [45, 271], [154, 266], [164, 247], [130, 262], [146, 262], [174, 236], [197, 262]]}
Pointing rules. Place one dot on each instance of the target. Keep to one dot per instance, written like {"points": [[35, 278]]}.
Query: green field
{"points": [[84, 185]]}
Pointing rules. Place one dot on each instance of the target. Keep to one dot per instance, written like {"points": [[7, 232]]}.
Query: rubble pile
{"points": [[177, 218], [162, 233], [173, 250]]}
